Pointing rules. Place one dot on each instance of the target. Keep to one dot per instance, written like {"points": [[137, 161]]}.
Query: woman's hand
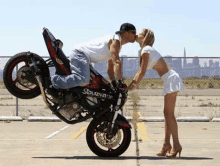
{"points": [[132, 85]]}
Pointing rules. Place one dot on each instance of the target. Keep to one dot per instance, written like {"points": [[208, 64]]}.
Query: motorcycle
{"points": [[109, 132]]}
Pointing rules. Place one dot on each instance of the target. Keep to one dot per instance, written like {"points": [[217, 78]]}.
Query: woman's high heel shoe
{"points": [[173, 153], [163, 152]]}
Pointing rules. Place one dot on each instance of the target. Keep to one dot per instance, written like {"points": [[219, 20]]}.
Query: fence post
{"points": [[122, 59], [122, 78], [16, 97]]}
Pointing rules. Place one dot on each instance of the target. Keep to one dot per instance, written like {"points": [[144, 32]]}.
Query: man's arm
{"points": [[110, 69], [114, 50]]}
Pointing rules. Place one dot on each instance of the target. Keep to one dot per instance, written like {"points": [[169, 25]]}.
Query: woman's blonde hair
{"points": [[148, 37]]}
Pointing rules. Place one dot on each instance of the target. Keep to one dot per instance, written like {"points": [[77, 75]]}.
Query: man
{"points": [[102, 49]]}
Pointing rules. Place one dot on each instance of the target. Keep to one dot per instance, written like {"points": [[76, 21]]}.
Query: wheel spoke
{"points": [[15, 81], [26, 63], [27, 87]]}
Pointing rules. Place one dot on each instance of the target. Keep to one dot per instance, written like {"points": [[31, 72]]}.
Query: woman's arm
{"points": [[140, 73]]}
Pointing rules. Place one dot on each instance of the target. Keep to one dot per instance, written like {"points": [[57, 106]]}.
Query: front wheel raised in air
{"points": [[102, 143], [19, 79]]}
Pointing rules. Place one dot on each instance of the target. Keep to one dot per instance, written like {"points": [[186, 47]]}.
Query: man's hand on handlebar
{"points": [[120, 84], [114, 84]]}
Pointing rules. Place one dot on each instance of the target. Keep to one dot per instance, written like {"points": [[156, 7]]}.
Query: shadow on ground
{"points": [[122, 158]]}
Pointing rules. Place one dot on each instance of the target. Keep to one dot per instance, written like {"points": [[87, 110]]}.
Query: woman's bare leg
{"points": [[167, 134], [166, 145], [170, 120]]}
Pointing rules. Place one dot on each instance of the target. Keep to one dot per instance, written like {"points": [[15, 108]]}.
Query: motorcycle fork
{"points": [[113, 122], [117, 108]]}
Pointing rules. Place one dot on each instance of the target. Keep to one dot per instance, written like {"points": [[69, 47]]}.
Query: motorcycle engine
{"points": [[71, 109]]}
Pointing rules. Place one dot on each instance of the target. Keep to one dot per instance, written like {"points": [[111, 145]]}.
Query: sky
{"points": [[193, 24]]}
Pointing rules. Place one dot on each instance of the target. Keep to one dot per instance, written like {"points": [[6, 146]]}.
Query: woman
{"points": [[150, 58]]}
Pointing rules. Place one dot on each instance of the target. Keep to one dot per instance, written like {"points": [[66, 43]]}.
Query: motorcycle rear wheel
{"points": [[99, 143], [14, 80]]}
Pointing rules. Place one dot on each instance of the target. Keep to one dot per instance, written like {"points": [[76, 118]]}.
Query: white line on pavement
{"points": [[64, 128], [56, 132]]}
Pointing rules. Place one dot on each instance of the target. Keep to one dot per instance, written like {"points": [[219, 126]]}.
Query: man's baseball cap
{"points": [[126, 27]]}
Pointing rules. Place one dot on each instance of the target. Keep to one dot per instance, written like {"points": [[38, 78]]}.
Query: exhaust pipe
{"points": [[42, 90]]}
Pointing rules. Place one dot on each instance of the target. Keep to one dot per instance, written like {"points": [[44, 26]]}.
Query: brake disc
{"points": [[108, 143]]}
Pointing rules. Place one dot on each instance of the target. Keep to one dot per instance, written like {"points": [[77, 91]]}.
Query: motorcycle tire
{"points": [[14, 81], [97, 140]]}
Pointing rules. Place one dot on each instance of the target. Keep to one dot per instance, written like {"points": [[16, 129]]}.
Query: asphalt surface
{"points": [[57, 143]]}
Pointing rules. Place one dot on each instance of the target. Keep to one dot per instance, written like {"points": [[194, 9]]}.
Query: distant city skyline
{"points": [[186, 67]]}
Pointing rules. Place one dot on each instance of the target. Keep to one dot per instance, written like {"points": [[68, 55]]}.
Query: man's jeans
{"points": [[80, 69]]}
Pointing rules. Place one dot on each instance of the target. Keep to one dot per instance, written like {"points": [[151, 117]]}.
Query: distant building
{"points": [[101, 68], [190, 67], [184, 60]]}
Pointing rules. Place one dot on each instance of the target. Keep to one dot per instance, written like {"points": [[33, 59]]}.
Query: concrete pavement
{"points": [[143, 119], [25, 143]]}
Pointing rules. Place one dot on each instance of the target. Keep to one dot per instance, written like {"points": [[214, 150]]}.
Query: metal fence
{"points": [[196, 72], [201, 73]]}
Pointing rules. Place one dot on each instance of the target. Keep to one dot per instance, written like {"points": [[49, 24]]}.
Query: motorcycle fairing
{"points": [[54, 46]]}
